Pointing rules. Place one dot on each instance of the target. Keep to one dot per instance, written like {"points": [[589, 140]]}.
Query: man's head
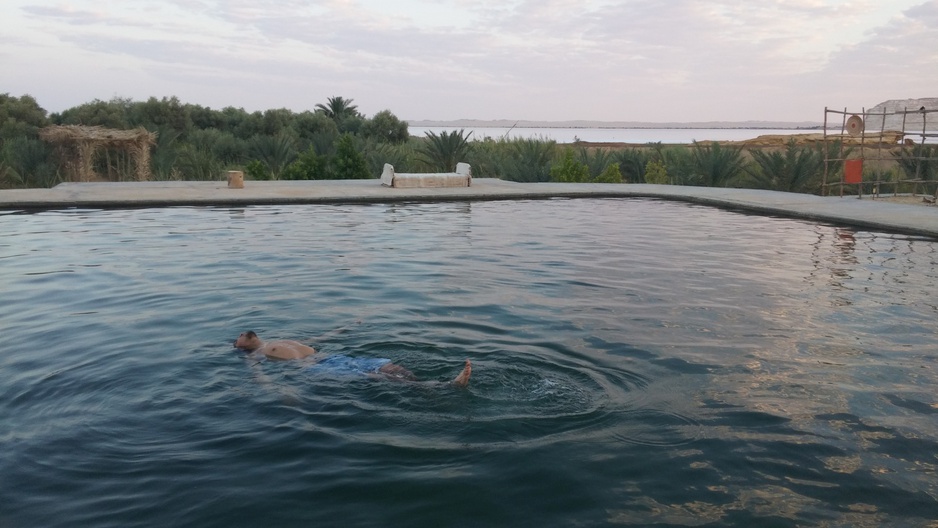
{"points": [[248, 341]]}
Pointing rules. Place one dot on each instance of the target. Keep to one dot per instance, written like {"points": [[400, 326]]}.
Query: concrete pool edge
{"points": [[868, 214]]}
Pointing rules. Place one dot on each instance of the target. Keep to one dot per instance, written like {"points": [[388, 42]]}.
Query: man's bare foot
{"points": [[462, 380]]}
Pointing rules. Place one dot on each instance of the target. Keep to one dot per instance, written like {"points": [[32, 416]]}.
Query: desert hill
{"points": [[913, 119]]}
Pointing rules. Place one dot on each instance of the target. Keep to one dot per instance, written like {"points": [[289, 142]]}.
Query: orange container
{"points": [[853, 171]]}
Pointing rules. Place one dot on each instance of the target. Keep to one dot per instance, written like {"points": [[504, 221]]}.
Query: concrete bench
{"points": [[461, 178]]}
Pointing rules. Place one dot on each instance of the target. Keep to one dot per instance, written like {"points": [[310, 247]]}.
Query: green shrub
{"points": [[308, 166], [385, 127], [257, 170], [348, 162], [656, 172], [569, 169], [610, 174]]}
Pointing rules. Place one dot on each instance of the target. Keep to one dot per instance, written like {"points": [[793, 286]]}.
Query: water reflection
{"points": [[637, 362]]}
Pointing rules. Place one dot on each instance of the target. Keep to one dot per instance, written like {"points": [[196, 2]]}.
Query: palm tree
{"points": [[833, 153], [532, 159], [921, 163], [716, 166], [338, 108], [26, 162], [632, 163], [798, 169], [9, 177], [377, 153], [489, 158], [166, 153], [195, 163], [274, 151], [596, 159], [679, 164], [442, 152]]}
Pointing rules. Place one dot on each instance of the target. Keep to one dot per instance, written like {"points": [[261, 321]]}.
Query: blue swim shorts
{"points": [[347, 365]]}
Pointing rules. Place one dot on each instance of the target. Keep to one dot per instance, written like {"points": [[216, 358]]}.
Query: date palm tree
{"points": [[9, 177], [532, 159], [27, 162], [717, 166], [797, 169], [442, 152], [918, 163], [276, 152], [596, 159], [633, 162], [338, 108], [196, 163]]}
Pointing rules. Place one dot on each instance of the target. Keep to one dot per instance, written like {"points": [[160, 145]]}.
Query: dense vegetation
{"points": [[335, 141]]}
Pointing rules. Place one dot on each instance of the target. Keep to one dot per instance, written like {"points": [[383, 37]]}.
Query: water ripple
{"points": [[635, 361]]}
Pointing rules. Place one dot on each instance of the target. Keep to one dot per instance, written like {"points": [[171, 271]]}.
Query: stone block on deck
{"points": [[461, 178]]}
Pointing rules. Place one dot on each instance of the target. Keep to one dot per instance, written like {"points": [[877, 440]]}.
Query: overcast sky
{"points": [[627, 60]]}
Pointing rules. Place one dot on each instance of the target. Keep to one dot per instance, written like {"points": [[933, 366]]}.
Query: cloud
{"points": [[895, 61], [547, 59], [66, 15]]}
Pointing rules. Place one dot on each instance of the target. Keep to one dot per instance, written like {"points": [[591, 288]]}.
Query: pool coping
{"points": [[870, 214]]}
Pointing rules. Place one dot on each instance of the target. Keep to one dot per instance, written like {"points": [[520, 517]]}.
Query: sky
{"points": [[543, 60]]}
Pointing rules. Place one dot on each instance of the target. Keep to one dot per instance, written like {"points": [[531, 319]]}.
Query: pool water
{"points": [[635, 362]]}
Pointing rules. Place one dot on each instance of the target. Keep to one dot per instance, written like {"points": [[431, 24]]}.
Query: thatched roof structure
{"points": [[80, 144], [65, 133]]}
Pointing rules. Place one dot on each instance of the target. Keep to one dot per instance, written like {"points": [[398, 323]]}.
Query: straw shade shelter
{"points": [[79, 144]]}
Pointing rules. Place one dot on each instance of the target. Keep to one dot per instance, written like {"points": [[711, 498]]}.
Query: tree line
{"points": [[336, 141], [194, 142]]}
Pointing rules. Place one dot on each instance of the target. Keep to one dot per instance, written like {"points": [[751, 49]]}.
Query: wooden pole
{"points": [[827, 151]]}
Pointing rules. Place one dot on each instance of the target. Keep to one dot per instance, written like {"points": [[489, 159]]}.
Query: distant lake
{"points": [[617, 135]]}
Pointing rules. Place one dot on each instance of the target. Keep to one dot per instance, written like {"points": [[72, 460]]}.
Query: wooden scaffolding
{"points": [[864, 157]]}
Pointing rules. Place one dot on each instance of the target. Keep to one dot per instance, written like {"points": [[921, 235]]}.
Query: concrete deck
{"points": [[870, 214]]}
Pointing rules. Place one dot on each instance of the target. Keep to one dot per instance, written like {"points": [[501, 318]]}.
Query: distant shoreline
{"points": [[637, 125], [607, 135], [424, 124]]}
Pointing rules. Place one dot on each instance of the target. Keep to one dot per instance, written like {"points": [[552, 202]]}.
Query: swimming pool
{"points": [[636, 362]]}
